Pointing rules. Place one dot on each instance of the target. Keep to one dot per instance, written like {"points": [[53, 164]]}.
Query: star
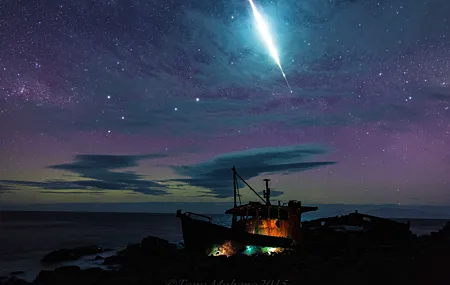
{"points": [[355, 69]]}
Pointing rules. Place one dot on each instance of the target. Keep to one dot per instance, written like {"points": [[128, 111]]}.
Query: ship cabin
{"points": [[279, 221], [282, 220]]}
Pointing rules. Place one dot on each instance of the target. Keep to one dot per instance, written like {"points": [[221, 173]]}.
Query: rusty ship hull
{"points": [[200, 235]]}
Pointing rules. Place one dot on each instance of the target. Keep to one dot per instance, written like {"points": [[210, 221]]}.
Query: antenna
{"points": [[267, 192], [234, 185]]}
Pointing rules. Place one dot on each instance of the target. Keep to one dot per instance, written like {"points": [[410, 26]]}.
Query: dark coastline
{"points": [[339, 259]]}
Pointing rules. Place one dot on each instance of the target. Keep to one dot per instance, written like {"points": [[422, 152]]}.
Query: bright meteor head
{"points": [[265, 33]]}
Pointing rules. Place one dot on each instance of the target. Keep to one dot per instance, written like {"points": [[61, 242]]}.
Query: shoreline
{"points": [[344, 258], [34, 266]]}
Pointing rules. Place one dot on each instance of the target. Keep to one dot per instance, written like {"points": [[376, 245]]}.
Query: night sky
{"points": [[138, 101]]}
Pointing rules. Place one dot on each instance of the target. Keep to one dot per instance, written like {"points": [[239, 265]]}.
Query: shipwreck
{"points": [[261, 227], [256, 224]]}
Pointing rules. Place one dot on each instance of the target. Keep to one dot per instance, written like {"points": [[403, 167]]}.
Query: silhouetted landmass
{"points": [[334, 258]]}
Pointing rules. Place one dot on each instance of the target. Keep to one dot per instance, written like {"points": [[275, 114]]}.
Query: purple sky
{"points": [[132, 101]]}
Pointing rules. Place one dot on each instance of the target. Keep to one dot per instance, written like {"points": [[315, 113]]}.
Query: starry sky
{"points": [[128, 101]]}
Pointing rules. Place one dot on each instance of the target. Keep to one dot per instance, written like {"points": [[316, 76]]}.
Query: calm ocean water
{"points": [[25, 237]]}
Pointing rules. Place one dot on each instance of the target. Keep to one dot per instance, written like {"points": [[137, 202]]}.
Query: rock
{"points": [[68, 270], [112, 260], [19, 272], [59, 256], [339, 258], [152, 241], [154, 244], [98, 257], [70, 254], [14, 281], [69, 275], [62, 275], [92, 276], [43, 277]]}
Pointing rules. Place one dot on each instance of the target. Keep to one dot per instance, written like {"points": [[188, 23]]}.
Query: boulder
{"points": [[70, 254], [13, 281], [113, 260], [69, 275], [68, 270], [93, 276], [157, 245], [59, 256], [153, 242], [339, 258], [62, 275], [15, 273]]}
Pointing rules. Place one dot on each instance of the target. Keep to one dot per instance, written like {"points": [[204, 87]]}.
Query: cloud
{"points": [[440, 93], [73, 192], [273, 193], [87, 164], [4, 189], [215, 174], [100, 174]]}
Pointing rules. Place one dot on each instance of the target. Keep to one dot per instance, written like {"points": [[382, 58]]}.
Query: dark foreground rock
{"points": [[336, 259], [70, 254], [13, 281], [15, 273]]}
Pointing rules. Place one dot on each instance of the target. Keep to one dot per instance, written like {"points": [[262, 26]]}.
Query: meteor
{"points": [[264, 31]]}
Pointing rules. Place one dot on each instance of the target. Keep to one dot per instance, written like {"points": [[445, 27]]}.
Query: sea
{"points": [[25, 237]]}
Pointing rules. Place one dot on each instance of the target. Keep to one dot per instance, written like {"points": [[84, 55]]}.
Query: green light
{"points": [[250, 250]]}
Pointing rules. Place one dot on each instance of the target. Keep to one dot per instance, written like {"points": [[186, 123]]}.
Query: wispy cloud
{"points": [[5, 189], [73, 192], [215, 174], [100, 172]]}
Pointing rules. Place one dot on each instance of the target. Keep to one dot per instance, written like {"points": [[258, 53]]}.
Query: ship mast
{"points": [[236, 188], [267, 192], [234, 185]]}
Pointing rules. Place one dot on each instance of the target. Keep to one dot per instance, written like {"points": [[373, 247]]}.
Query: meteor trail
{"points": [[264, 31]]}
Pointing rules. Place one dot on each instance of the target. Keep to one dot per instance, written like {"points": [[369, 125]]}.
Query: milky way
{"points": [[191, 85]]}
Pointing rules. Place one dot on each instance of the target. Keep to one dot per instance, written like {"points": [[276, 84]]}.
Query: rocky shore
{"points": [[340, 258]]}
